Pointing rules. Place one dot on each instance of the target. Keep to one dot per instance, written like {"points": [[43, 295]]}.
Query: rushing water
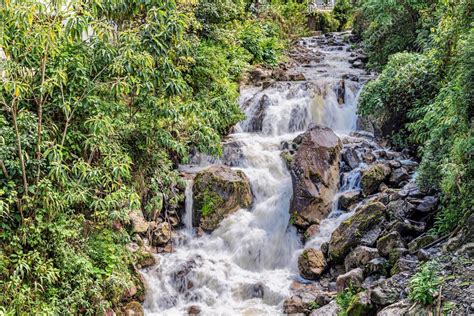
{"points": [[246, 266]]}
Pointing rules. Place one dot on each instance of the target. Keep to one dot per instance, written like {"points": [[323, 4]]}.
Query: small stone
{"points": [[398, 176], [353, 278], [312, 231]]}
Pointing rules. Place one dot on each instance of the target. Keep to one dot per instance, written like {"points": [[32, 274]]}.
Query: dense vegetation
{"points": [[423, 97], [100, 100]]}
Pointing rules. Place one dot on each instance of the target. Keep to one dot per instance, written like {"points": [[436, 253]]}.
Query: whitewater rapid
{"points": [[247, 265]]}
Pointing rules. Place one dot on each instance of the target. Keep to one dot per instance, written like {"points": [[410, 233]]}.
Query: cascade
{"points": [[246, 265]]}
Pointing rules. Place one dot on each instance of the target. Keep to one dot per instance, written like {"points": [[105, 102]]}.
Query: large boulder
{"points": [[217, 192], [387, 243], [162, 234], [373, 176], [354, 230], [311, 263], [315, 174]]}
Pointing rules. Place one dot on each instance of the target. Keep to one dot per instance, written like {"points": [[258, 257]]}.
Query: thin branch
{"points": [[40, 111], [18, 145]]}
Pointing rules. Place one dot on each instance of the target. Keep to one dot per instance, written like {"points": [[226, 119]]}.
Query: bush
{"points": [[407, 81], [424, 284], [325, 21], [343, 13]]}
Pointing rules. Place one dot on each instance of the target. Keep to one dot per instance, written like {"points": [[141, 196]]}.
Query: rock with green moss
{"points": [[388, 242], [219, 191], [144, 259], [315, 174], [311, 263], [352, 231], [361, 305], [372, 177]]}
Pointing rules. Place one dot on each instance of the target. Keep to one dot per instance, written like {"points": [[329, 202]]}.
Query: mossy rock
{"points": [[349, 234], [219, 191], [360, 305], [373, 177]]}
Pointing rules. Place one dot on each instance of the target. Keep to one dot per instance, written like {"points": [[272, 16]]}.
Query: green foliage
{"points": [[408, 80], [325, 21], [426, 98], [92, 127], [343, 13], [344, 299], [424, 284]]}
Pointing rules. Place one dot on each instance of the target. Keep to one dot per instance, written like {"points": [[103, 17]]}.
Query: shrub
{"points": [[424, 284], [325, 21]]}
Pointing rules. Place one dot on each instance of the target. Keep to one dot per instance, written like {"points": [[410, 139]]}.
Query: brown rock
{"points": [[359, 257], [133, 309], [311, 263], [315, 173]]}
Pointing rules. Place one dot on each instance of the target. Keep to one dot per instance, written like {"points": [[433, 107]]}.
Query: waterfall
{"points": [[246, 265]]}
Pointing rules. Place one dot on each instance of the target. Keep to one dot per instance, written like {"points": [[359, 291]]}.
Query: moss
{"points": [[210, 201]]}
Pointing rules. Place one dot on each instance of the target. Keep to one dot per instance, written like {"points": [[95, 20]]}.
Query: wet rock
{"points": [[217, 192], [359, 257], [256, 122], [312, 231], [296, 76], [294, 305], [137, 221], [331, 309], [194, 310], [298, 118], [361, 305], [368, 158], [232, 154], [397, 309], [182, 276], [315, 173], [259, 74], [249, 291], [311, 263], [352, 231], [162, 234], [348, 198], [340, 90], [372, 177], [133, 309], [354, 278], [349, 156], [387, 243], [398, 176]]}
